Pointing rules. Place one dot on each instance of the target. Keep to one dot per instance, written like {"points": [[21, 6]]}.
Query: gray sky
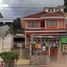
{"points": [[20, 8]]}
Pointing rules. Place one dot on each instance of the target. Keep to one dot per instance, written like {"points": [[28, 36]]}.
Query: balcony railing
{"points": [[44, 30]]}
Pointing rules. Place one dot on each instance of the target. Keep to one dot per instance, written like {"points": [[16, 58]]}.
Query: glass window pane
{"points": [[42, 23], [32, 24], [52, 23]]}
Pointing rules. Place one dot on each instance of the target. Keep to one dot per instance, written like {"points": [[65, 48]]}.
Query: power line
{"points": [[17, 11], [22, 7]]}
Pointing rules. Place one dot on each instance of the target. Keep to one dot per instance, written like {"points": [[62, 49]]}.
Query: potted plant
{"points": [[8, 58]]}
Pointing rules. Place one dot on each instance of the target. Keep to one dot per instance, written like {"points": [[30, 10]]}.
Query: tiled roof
{"points": [[36, 15], [55, 14], [1, 15], [42, 14]]}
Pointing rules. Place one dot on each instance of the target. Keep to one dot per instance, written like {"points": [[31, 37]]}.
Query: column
{"points": [[49, 53], [20, 51], [48, 58], [25, 40], [31, 45], [59, 52]]}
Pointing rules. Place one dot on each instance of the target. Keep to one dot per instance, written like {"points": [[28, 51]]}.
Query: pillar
{"points": [[1, 44], [25, 40], [59, 52], [31, 45], [20, 51], [49, 52], [48, 58]]}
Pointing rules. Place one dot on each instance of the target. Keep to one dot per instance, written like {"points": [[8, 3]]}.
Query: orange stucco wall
{"points": [[60, 24]]}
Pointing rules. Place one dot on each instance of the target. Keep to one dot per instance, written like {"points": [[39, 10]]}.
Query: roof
{"points": [[55, 7], [1, 15], [43, 13]]}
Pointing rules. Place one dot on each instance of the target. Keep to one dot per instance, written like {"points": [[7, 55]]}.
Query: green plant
{"points": [[15, 27], [8, 58]]}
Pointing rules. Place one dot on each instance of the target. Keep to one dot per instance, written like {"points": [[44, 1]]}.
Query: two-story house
{"points": [[43, 31]]}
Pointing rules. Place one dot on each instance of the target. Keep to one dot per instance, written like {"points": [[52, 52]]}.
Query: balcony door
{"points": [[42, 23]]}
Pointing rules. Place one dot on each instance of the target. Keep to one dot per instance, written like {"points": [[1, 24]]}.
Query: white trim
{"points": [[33, 28], [31, 18], [48, 31], [62, 17], [53, 17]]}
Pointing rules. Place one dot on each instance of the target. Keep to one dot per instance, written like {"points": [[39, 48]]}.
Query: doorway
{"points": [[53, 49]]}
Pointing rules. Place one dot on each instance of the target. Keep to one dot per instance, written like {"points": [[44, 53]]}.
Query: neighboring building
{"points": [[1, 15], [65, 14], [5, 38], [64, 39], [0, 36], [43, 31], [5, 21]]}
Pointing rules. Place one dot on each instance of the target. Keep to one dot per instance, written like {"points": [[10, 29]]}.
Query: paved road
{"points": [[62, 63]]}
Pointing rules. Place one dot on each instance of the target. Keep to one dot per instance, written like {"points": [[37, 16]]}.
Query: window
{"points": [[18, 40], [57, 10], [42, 23], [50, 10], [32, 24], [51, 23]]}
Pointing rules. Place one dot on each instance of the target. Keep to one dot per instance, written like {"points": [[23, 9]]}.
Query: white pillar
{"points": [[25, 40], [1, 44], [20, 51], [31, 45], [59, 52], [48, 52]]}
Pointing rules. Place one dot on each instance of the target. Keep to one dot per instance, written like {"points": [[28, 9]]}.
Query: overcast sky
{"points": [[20, 8]]}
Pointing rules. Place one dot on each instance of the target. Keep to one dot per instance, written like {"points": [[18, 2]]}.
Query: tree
{"points": [[15, 27], [65, 4], [8, 58]]}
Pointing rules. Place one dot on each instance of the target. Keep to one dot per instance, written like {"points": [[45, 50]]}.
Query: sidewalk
{"points": [[62, 63]]}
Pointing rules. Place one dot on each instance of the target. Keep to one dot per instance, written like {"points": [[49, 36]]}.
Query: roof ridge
{"points": [[35, 14]]}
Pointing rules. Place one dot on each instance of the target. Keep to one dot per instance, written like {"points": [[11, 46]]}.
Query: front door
{"points": [[53, 51], [53, 48]]}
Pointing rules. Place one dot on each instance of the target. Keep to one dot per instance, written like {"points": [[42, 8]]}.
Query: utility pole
{"points": [[20, 45]]}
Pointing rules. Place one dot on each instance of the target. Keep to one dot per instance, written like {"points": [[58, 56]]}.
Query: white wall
{"points": [[7, 43], [0, 44]]}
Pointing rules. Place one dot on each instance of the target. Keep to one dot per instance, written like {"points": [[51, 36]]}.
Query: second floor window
{"points": [[51, 23], [32, 24], [42, 23], [50, 10]]}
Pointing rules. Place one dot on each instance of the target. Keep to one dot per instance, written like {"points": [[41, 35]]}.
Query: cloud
{"points": [[20, 8], [46, 3]]}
